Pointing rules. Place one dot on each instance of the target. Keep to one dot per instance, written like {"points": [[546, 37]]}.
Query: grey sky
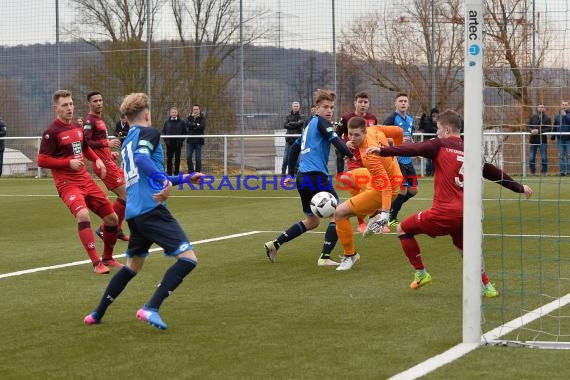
{"points": [[303, 23]]}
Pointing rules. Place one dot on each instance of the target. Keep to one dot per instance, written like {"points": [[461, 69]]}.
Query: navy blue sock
{"points": [[330, 241], [115, 287], [172, 278], [291, 233], [408, 196], [397, 205]]}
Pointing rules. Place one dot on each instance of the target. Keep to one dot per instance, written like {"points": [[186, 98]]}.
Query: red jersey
{"points": [[97, 138], [447, 156], [60, 144], [342, 132]]}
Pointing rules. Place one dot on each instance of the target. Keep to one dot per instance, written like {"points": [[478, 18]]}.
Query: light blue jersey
{"points": [[407, 124], [316, 145], [141, 187]]}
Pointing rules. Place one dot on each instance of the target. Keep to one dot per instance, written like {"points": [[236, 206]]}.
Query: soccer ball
{"points": [[323, 204]]}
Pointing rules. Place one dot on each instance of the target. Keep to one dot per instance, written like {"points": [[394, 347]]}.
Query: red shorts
{"points": [[114, 177], [436, 223], [87, 195]]}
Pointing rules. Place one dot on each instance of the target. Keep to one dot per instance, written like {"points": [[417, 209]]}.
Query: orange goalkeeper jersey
{"points": [[385, 172]]}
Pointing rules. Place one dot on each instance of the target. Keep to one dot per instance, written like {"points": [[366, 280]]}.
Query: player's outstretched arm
{"points": [[495, 174]]}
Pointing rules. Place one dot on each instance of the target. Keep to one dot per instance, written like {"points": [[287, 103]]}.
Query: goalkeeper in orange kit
{"points": [[374, 185]]}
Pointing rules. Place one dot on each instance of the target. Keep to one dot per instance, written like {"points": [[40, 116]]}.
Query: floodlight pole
{"points": [[433, 87], [242, 89], [148, 45], [57, 44], [334, 47]]}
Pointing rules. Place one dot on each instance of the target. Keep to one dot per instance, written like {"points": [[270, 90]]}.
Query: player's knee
{"points": [[190, 254], [82, 215], [111, 220], [401, 233], [311, 222]]}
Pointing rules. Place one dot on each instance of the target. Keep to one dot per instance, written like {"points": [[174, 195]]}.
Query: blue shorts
{"points": [[157, 226], [409, 174], [309, 184]]}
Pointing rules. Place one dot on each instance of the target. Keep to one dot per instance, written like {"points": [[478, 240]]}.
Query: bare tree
{"points": [[384, 47], [214, 25], [509, 51], [114, 20]]}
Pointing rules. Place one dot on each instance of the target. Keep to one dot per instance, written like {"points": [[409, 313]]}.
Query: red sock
{"points": [[109, 240], [88, 240], [484, 278], [361, 220], [412, 250], [119, 207]]}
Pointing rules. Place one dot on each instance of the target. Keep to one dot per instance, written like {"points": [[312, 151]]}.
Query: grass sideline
{"points": [[239, 317]]}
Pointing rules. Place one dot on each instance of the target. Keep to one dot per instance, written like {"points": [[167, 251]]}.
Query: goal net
{"points": [[525, 243]]}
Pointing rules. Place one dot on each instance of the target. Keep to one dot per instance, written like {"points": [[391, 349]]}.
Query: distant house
{"points": [[15, 162]]}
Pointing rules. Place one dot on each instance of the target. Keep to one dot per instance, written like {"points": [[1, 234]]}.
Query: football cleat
{"points": [[348, 262], [122, 236], [326, 263], [421, 278], [151, 317], [271, 248], [112, 262], [489, 291], [100, 268], [92, 319], [99, 232], [393, 223]]}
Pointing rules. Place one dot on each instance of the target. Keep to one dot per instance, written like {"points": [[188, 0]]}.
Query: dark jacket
{"points": [[173, 128], [121, 131], [2, 133], [543, 123], [196, 126], [427, 124], [294, 125], [562, 124]]}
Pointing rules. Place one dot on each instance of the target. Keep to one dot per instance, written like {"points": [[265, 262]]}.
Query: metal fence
{"points": [[221, 154]]}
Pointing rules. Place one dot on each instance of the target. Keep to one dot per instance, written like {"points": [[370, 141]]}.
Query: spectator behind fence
{"points": [[121, 128], [428, 124], [173, 126], [538, 124], [2, 144], [294, 124], [562, 124], [196, 125]]}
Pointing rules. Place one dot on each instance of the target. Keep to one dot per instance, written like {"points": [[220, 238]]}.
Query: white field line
{"points": [[41, 269], [435, 362], [462, 349], [529, 317]]}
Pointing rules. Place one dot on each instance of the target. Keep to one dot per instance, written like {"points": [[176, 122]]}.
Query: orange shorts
{"points": [[366, 203], [87, 195]]}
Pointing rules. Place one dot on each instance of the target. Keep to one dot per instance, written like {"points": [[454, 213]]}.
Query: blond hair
{"points": [[134, 104], [321, 95], [60, 94]]}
